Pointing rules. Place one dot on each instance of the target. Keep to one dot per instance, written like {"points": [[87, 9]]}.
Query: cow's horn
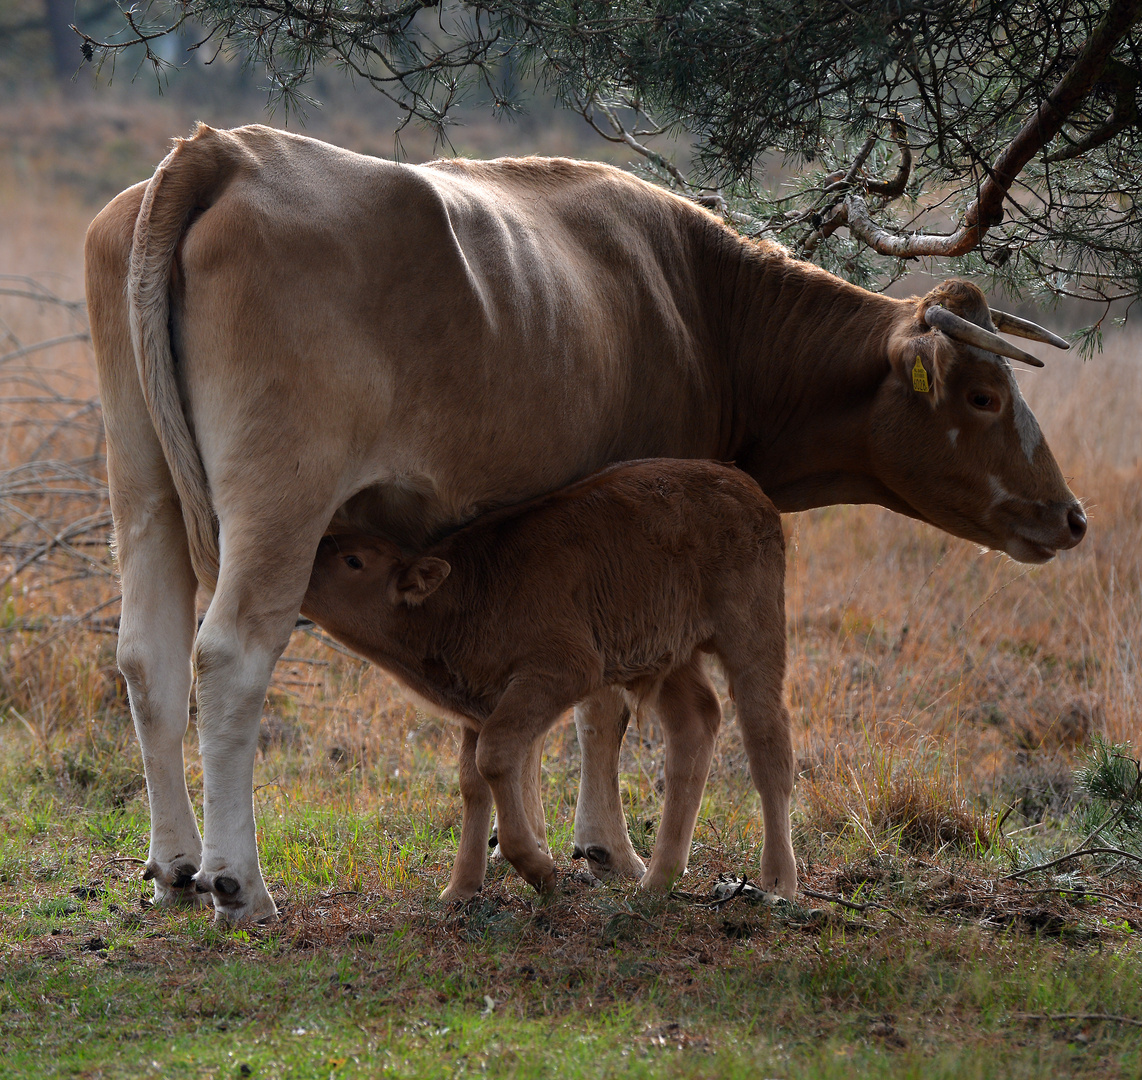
{"points": [[1012, 324], [940, 318]]}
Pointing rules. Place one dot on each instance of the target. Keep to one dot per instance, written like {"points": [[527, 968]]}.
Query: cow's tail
{"points": [[188, 180]]}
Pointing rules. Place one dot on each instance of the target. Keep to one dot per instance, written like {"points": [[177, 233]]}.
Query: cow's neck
{"points": [[809, 355]]}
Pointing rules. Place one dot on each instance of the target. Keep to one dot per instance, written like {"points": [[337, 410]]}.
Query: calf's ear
{"points": [[414, 583]]}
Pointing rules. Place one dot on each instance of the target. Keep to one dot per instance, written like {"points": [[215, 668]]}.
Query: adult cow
{"points": [[290, 335]]}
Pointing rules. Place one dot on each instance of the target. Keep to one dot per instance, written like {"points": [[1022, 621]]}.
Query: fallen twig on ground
{"points": [[1110, 1017], [1069, 857], [852, 905]]}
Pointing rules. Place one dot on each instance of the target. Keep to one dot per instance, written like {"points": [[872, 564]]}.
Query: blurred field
{"points": [[934, 688]]}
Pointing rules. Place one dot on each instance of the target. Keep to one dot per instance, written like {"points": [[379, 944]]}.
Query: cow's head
{"points": [[953, 438], [357, 578]]}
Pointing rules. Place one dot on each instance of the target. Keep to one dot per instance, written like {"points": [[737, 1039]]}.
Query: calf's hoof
{"points": [[463, 890], [779, 875], [235, 902], [546, 886], [174, 883], [660, 882]]}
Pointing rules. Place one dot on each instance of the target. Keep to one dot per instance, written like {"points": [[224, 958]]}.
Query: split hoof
{"points": [[606, 864], [460, 893], [174, 883], [235, 903], [547, 885]]}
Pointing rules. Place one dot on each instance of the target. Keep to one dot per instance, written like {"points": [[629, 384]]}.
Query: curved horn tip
{"points": [[1012, 324]]}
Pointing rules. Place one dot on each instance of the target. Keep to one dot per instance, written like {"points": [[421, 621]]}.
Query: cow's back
{"points": [[459, 335]]}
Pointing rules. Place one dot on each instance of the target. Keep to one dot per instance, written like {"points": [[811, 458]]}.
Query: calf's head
{"points": [[953, 438], [357, 580]]}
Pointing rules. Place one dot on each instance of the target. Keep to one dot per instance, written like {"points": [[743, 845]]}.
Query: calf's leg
{"points": [[472, 854], [533, 800], [503, 752], [600, 825], [768, 742], [690, 714], [755, 664]]}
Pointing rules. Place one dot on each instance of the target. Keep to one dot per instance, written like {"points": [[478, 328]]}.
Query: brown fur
{"points": [[289, 335], [621, 580]]}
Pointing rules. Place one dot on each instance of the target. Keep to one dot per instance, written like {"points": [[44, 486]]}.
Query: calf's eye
{"points": [[983, 401], [354, 563]]}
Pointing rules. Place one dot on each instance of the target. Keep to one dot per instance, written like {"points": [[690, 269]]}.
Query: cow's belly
{"points": [[415, 511]]}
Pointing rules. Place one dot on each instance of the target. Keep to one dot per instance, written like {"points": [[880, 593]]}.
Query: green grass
{"points": [[367, 973]]}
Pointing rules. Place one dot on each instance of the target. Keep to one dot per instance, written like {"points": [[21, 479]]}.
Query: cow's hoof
{"points": [[174, 883], [609, 865], [234, 902]]}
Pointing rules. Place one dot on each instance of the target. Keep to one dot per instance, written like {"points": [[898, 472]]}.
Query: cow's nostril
{"points": [[1076, 519]]}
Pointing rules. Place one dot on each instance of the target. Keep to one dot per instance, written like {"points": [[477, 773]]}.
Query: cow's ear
{"points": [[922, 362], [413, 583]]}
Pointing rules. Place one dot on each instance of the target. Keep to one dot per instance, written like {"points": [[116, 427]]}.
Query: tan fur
{"points": [[293, 339], [621, 580]]}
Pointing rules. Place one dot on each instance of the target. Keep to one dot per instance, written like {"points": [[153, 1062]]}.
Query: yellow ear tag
{"points": [[920, 377]]}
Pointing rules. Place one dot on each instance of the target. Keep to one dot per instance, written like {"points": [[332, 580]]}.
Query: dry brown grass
{"points": [[929, 683]]}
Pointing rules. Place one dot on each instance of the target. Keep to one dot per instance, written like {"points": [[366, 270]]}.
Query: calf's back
{"points": [[614, 580]]}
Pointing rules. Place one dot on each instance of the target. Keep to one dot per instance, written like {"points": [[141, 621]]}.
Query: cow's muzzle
{"points": [[1038, 537]]}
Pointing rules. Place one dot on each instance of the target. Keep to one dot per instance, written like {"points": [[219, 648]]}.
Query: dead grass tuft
{"points": [[893, 804]]}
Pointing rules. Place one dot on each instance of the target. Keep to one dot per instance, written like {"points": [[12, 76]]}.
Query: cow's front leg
{"points": [[249, 621], [600, 825]]}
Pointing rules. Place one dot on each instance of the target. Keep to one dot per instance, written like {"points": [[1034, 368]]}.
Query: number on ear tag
{"points": [[920, 377]]}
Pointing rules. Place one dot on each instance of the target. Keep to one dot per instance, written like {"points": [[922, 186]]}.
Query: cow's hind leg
{"points": [[156, 629], [265, 568], [156, 633], [600, 824], [472, 854], [690, 714]]}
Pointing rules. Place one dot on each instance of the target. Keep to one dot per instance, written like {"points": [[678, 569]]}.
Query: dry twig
{"points": [[853, 906], [1110, 1017]]}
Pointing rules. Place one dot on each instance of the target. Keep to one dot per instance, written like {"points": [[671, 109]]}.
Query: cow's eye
{"points": [[983, 402], [354, 563]]}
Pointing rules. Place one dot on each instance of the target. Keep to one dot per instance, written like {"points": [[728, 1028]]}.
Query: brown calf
{"points": [[621, 580]]}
